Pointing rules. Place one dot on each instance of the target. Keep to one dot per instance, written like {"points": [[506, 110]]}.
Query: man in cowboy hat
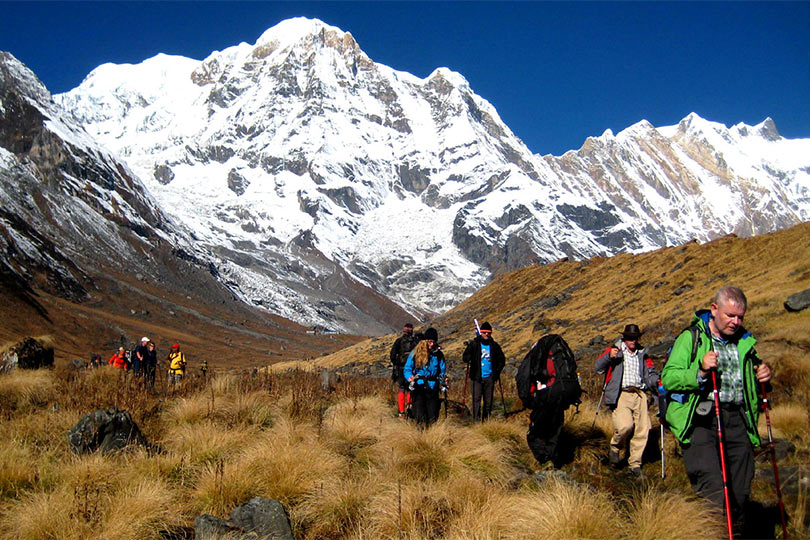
{"points": [[629, 373]]}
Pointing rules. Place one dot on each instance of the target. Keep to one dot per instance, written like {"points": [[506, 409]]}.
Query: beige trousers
{"points": [[630, 416]]}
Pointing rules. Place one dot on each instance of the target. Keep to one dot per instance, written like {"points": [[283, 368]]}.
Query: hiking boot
{"points": [[637, 472], [613, 459], [402, 415]]}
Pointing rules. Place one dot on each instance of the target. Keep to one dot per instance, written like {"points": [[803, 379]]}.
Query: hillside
{"points": [[590, 301]]}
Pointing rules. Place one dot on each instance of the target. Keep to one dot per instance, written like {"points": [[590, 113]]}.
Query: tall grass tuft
{"points": [[46, 515], [563, 511], [17, 468], [789, 420], [336, 508], [670, 516], [23, 390]]}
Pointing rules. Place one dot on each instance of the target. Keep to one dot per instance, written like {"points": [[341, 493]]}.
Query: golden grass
{"points": [[138, 510], [342, 465], [17, 468], [670, 516], [23, 389], [289, 461], [336, 508], [206, 442], [238, 409], [788, 420], [47, 515], [564, 511]]}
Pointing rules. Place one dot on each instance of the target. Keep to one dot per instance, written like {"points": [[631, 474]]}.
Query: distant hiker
{"points": [[119, 359], [484, 360], [399, 355], [724, 352], [548, 383], [425, 371], [149, 365], [629, 375], [204, 368], [177, 364], [95, 360], [137, 356]]}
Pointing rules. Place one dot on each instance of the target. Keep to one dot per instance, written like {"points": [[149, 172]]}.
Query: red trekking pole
{"points": [[722, 454], [767, 406]]}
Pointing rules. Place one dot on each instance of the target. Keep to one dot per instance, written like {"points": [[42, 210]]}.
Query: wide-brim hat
{"points": [[632, 331]]}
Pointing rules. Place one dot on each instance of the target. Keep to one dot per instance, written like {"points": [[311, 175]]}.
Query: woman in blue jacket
{"points": [[425, 370]]}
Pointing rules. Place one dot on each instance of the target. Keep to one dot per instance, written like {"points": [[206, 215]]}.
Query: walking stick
{"points": [[662, 419], [466, 376], [663, 455], [767, 405], [503, 401], [722, 454], [602, 396]]}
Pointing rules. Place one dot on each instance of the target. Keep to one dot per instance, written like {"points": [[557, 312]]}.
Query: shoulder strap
{"points": [[695, 341]]}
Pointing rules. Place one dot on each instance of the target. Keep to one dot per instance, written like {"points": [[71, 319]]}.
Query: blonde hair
{"points": [[421, 353]]}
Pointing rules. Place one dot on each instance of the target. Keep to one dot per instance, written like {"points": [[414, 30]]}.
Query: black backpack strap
{"points": [[695, 341]]}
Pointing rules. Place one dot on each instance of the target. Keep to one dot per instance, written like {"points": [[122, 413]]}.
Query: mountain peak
{"points": [[767, 129], [302, 29]]}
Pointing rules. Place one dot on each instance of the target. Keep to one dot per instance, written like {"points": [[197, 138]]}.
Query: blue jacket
{"points": [[431, 373]]}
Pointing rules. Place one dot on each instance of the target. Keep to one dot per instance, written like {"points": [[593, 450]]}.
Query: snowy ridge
{"points": [[298, 158]]}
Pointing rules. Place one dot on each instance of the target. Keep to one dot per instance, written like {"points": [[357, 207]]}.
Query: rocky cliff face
{"points": [[323, 182], [67, 204]]}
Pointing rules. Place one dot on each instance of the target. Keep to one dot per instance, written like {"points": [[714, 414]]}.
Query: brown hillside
{"points": [[659, 291], [204, 317]]}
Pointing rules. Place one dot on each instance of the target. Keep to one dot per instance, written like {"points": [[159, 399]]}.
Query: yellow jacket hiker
{"points": [[177, 364]]}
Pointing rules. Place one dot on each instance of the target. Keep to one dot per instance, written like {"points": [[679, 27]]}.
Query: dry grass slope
{"points": [[341, 462]]}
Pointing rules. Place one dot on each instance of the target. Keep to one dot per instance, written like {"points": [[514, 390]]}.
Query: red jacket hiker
{"points": [[118, 360]]}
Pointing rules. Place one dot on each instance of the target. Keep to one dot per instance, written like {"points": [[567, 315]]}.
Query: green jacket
{"points": [[680, 378]]}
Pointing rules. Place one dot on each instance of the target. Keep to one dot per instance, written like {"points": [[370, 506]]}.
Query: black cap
{"points": [[432, 334], [486, 326]]}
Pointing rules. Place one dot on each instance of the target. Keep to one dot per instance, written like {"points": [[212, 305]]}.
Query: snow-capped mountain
{"points": [[67, 203], [314, 175]]}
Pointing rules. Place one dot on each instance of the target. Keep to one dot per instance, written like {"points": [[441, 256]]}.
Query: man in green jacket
{"points": [[725, 347]]}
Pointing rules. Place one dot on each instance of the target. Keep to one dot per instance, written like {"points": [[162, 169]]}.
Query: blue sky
{"points": [[557, 72]]}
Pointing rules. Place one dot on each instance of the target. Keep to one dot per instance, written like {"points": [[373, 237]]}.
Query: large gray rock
{"points": [[208, 527], [265, 517], [258, 518], [105, 431], [798, 301], [27, 354], [792, 478]]}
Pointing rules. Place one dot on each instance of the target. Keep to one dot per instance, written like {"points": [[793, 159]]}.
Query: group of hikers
{"points": [[710, 394], [142, 362]]}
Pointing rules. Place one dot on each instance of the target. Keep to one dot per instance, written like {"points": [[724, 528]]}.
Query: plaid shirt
{"points": [[728, 371], [630, 373]]}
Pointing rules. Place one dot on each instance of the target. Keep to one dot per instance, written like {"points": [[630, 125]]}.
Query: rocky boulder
{"points": [[257, 518], [27, 354], [105, 431], [798, 301]]}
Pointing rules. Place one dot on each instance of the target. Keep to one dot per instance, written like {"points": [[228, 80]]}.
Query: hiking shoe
{"points": [[402, 415], [613, 459], [637, 472]]}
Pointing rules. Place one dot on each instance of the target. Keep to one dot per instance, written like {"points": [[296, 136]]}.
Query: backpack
{"points": [[565, 390], [664, 395], [407, 346]]}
